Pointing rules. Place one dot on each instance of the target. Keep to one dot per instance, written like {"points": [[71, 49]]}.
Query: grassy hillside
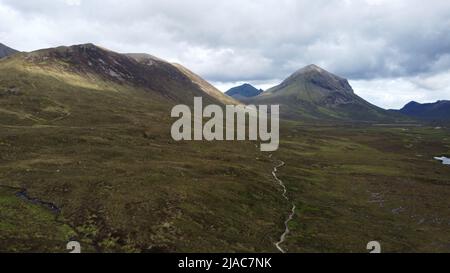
{"points": [[207, 87], [101, 151], [314, 94]]}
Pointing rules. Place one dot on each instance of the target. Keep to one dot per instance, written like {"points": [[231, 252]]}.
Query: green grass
{"points": [[27, 227], [355, 185]]}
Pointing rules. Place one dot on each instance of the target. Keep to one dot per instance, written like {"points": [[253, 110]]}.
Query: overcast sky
{"points": [[392, 51]]}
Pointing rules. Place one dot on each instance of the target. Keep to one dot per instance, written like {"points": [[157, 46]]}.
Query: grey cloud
{"points": [[253, 40]]}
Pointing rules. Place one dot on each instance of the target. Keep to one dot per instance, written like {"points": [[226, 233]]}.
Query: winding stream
{"points": [[23, 194], [291, 215]]}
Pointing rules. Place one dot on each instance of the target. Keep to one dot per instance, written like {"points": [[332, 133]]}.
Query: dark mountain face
{"points": [[137, 70], [438, 111], [243, 92], [145, 58], [6, 51], [314, 93], [90, 59]]}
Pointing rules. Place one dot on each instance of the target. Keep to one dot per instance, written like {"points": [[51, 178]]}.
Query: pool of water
{"points": [[445, 160]]}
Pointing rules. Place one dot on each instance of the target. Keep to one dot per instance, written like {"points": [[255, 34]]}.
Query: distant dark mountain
{"points": [[438, 111], [244, 92], [314, 93], [6, 51]]}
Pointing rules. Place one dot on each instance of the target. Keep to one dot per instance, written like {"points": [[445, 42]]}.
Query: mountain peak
{"points": [[86, 45], [90, 59], [243, 91], [411, 104], [320, 78], [313, 92], [93, 64], [439, 110], [68, 52], [89, 46], [312, 67], [414, 104]]}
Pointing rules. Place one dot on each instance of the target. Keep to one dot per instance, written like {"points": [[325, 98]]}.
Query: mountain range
{"points": [[438, 111], [310, 93]]}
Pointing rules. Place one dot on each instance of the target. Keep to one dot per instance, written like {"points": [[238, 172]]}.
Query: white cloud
{"points": [[396, 92], [73, 2]]}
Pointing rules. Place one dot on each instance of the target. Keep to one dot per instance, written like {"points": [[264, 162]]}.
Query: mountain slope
{"points": [[200, 83], [314, 93], [6, 51], [96, 64], [206, 86], [438, 111], [243, 92]]}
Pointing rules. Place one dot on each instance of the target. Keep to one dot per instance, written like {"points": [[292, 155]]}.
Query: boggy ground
{"points": [[355, 184], [133, 190]]}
